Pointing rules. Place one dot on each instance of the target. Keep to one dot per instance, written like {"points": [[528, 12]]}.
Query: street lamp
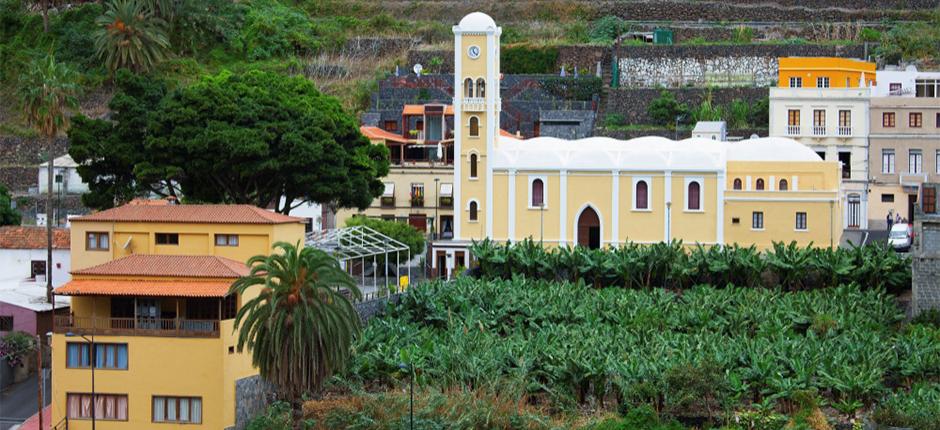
{"points": [[93, 354], [541, 221]]}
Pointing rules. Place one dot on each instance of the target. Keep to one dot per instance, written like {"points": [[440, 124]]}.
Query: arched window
{"points": [[538, 193], [473, 210], [695, 200], [468, 87], [481, 88], [473, 165], [737, 183], [474, 126], [783, 185], [642, 195], [760, 184]]}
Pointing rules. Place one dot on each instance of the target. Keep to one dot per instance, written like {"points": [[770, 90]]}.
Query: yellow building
{"points": [[150, 289], [599, 191], [824, 72]]}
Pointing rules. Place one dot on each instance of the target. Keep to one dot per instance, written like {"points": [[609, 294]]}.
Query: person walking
{"points": [[890, 221], [897, 217]]}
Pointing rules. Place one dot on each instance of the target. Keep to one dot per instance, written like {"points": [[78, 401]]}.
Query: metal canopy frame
{"points": [[349, 244]]}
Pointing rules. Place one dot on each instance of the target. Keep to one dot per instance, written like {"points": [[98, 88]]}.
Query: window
{"points": [[915, 161], [757, 220], [481, 88], [938, 161], [845, 122], [822, 82], [793, 121], [796, 82], [894, 88], [96, 241], [821, 154], [642, 195], [694, 196], [737, 184], [177, 409], [417, 195], [887, 119], [391, 125], [107, 355], [111, 407], [801, 220], [887, 198], [168, 239], [37, 268], [538, 193], [230, 305], [929, 204], [474, 126], [760, 184], [783, 185], [846, 159], [938, 119], [473, 165], [468, 87], [819, 122], [473, 210], [926, 88], [6, 323], [887, 161], [226, 240], [915, 120]]}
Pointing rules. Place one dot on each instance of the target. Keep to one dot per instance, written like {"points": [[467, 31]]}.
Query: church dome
{"points": [[477, 21]]}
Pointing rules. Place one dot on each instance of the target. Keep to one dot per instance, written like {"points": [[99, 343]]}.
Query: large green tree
{"points": [[132, 35], [299, 328], [257, 138], [8, 215]]}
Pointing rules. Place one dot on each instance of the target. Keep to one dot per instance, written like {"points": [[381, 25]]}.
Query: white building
{"points": [[66, 179], [906, 83], [23, 254], [713, 130], [834, 123]]}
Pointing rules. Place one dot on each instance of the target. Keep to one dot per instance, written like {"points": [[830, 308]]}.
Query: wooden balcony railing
{"points": [[162, 327]]}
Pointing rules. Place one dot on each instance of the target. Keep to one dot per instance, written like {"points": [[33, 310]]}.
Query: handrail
{"points": [[140, 326], [62, 425]]}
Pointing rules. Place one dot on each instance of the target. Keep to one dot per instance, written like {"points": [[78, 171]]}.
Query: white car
{"points": [[900, 237]]}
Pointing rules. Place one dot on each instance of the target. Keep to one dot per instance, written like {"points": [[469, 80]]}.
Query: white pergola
{"points": [[360, 243]]}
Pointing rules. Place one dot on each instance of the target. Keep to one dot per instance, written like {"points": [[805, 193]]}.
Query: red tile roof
{"points": [[101, 287], [182, 266], [30, 237], [210, 214], [375, 133]]}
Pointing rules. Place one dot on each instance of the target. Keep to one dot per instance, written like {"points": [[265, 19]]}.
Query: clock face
{"points": [[473, 52]]}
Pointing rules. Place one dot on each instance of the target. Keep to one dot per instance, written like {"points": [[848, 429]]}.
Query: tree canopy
{"points": [[8, 215], [229, 138]]}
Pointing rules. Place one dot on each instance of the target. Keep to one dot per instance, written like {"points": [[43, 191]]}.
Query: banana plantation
{"points": [[700, 354]]}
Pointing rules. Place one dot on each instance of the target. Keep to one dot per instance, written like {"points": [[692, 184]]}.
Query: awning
{"points": [[389, 189], [102, 287], [447, 190]]}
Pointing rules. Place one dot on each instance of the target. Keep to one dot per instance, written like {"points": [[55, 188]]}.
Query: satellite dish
{"points": [[418, 68]]}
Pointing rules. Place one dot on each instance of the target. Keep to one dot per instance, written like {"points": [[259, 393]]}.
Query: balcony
{"points": [[474, 104], [446, 202], [793, 130], [845, 131], [819, 130], [388, 201], [417, 201], [158, 327]]}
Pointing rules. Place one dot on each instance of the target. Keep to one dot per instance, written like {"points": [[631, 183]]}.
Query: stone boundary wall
{"points": [[671, 134], [373, 308], [633, 103], [252, 396], [925, 288]]}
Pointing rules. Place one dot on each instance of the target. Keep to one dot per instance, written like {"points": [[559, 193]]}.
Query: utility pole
{"points": [[39, 375], [50, 171]]}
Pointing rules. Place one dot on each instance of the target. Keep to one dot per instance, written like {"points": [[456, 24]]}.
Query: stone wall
{"points": [[926, 262], [252, 396], [772, 11], [670, 134], [373, 308], [632, 104], [713, 65]]}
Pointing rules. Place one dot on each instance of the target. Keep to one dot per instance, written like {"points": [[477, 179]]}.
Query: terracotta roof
{"points": [[99, 287], [31, 237], [185, 266], [149, 202], [211, 214], [419, 110], [375, 133], [505, 133]]}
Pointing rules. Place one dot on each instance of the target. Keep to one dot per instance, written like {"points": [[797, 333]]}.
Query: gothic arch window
{"points": [[473, 165], [783, 185], [760, 184], [474, 126], [468, 87], [737, 184], [481, 88], [474, 209]]}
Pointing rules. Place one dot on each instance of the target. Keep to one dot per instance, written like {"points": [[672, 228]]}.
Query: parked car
{"points": [[900, 237]]}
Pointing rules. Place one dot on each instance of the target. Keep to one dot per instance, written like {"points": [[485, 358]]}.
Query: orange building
{"points": [[825, 72]]}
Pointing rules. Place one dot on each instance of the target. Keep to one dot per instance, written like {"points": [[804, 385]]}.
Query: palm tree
{"points": [[131, 36], [299, 328], [46, 92]]}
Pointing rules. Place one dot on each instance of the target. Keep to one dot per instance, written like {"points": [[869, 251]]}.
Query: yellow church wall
{"points": [[641, 225], [694, 226], [589, 188], [823, 219], [811, 176], [531, 221], [500, 207]]}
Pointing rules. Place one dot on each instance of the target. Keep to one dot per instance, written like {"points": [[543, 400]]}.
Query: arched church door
{"points": [[589, 229]]}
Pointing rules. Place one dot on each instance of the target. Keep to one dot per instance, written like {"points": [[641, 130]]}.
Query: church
{"points": [[601, 192]]}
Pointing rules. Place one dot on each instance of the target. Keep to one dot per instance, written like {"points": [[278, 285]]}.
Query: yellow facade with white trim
{"points": [[602, 174]]}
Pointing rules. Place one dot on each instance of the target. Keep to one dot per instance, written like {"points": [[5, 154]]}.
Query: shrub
{"points": [[930, 317], [614, 120], [16, 346], [696, 390], [606, 29], [272, 29], [742, 34], [918, 409], [664, 109], [738, 113], [278, 416], [639, 418], [759, 113], [869, 35], [528, 59]]}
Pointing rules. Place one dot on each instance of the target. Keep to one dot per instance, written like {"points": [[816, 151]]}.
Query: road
{"points": [[18, 402]]}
